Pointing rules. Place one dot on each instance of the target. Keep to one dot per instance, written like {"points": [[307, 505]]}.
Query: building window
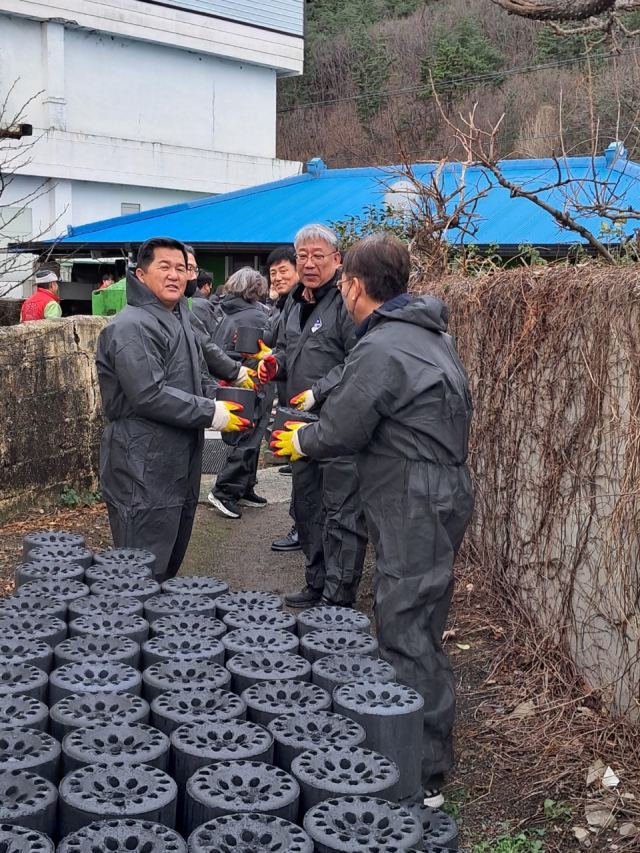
{"points": [[126, 208]]}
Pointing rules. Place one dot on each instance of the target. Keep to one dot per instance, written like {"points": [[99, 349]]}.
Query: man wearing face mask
{"points": [[220, 365], [313, 343], [403, 409], [156, 396]]}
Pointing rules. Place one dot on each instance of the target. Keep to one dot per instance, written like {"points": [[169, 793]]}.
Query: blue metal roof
{"points": [[271, 214]]}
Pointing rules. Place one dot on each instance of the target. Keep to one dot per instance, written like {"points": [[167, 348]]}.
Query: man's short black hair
{"points": [[108, 276], [204, 278], [282, 253], [382, 263], [146, 252], [190, 250]]}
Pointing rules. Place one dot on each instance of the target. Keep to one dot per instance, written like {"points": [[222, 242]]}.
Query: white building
{"points": [[137, 104]]}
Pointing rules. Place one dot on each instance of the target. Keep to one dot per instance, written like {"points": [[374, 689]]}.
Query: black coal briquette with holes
{"points": [[106, 743], [297, 731], [62, 590], [134, 628], [192, 705], [28, 800], [186, 648], [23, 678], [109, 571], [249, 668], [16, 648], [87, 709], [393, 717], [17, 839], [88, 677], [44, 538], [119, 790], [120, 649], [125, 835], [318, 644], [228, 787], [33, 606], [332, 618], [125, 555], [20, 710], [47, 628], [438, 828], [363, 824], [247, 598], [189, 626], [175, 674], [140, 588], [22, 748], [168, 603], [48, 570], [329, 672], [260, 617], [61, 552], [267, 700], [105, 605], [196, 585], [249, 833], [339, 771], [243, 640]]}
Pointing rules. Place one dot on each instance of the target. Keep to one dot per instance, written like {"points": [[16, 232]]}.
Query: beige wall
{"points": [[50, 410]]}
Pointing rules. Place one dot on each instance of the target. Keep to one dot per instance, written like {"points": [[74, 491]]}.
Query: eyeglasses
{"points": [[316, 258], [342, 281], [193, 269]]}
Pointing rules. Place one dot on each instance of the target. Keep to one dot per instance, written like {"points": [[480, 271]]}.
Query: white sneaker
{"points": [[433, 798], [228, 508]]}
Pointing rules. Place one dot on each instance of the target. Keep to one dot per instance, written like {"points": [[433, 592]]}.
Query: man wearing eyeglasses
{"points": [[309, 356]]}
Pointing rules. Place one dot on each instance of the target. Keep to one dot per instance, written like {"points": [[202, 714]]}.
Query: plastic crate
{"points": [[110, 300]]}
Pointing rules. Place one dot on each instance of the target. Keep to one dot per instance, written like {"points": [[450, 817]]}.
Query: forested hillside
{"points": [[366, 94]]}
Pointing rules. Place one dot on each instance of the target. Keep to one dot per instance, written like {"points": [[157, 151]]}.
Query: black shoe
{"points": [[285, 470], [290, 542], [228, 508], [307, 597], [253, 500], [328, 603]]}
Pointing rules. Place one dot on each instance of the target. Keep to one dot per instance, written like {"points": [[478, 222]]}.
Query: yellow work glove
{"points": [[244, 379], [304, 402], [286, 441], [262, 352], [224, 419]]}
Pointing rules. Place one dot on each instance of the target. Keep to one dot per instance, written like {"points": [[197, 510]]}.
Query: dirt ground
{"points": [[520, 780]]}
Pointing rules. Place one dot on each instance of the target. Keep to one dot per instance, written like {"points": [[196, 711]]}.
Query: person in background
{"points": [[107, 280], [283, 277], [158, 399], [240, 307], [201, 304], [403, 409], [44, 304], [317, 335], [221, 367]]}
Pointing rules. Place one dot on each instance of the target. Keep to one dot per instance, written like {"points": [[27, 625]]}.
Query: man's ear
{"points": [[140, 274], [358, 287]]}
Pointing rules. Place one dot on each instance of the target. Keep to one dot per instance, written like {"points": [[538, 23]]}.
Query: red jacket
{"points": [[33, 307]]}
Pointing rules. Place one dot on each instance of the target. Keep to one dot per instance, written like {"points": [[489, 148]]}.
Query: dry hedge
{"points": [[554, 361]]}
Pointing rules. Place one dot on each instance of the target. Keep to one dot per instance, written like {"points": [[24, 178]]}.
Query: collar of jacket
{"points": [[319, 293], [281, 301], [398, 301], [48, 292]]}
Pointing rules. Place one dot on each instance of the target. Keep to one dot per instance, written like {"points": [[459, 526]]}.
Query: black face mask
{"points": [[191, 287]]}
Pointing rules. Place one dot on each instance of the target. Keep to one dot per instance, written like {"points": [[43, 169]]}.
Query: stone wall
{"points": [[554, 362], [50, 410]]}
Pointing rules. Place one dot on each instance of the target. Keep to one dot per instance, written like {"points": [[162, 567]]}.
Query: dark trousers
{"points": [[330, 520], [165, 532], [239, 475], [417, 513]]}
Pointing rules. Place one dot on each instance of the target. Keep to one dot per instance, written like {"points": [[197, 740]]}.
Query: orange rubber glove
{"points": [[286, 441], [267, 369]]}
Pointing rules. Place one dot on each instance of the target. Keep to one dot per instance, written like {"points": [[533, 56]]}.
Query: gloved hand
{"points": [[304, 402], [225, 421], [263, 352], [267, 369], [287, 442], [244, 380]]}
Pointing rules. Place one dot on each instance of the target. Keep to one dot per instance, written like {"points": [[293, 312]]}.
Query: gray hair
{"points": [[247, 283], [317, 232]]}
